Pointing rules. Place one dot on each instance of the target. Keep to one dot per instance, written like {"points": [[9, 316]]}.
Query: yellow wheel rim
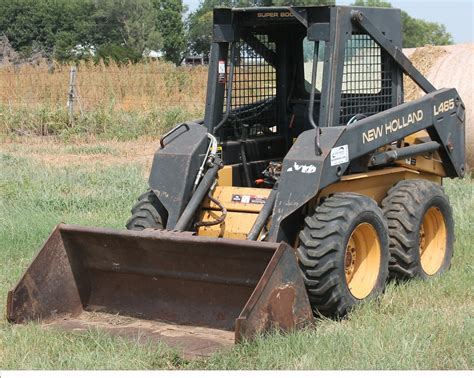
{"points": [[432, 241], [362, 260]]}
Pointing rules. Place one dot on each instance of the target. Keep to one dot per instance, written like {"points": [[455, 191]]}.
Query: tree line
{"points": [[81, 29], [125, 30]]}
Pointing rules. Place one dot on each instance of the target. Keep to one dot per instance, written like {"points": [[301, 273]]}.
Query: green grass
{"points": [[414, 325], [90, 150], [103, 123]]}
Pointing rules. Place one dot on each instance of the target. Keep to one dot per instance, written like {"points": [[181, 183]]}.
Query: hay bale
{"points": [[447, 67]]}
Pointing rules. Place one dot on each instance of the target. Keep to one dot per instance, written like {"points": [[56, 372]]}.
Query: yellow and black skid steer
{"points": [[307, 184]]}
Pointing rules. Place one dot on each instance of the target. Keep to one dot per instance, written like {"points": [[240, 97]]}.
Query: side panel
{"points": [[47, 287], [300, 179], [243, 206], [375, 184], [175, 167], [279, 301], [236, 225]]}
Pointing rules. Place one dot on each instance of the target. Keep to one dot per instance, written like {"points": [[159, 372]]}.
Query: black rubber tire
{"points": [[147, 213], [404, 207], [322, 249]]}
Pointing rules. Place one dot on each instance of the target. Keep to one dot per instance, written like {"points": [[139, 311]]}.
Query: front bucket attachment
{"points": [[195, 293]]}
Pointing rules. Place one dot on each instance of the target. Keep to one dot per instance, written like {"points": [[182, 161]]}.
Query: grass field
{"points": [[152, 96], [141, 87], [415, 325]]}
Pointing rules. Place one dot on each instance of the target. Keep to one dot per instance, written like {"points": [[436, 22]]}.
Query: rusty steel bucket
{"points": [[195, 293]]}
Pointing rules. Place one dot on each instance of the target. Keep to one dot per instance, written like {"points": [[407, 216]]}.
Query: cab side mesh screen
{"points": [[253, 101], [366, 79]]}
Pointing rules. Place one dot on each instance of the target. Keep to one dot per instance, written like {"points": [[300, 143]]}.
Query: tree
{"points": [[119, 54], [64, 46], [73, 39], [373, 3], [416, 32], [420, 32], [169, 21], [130, 25], [200, 33], [297, 3], [39, 22], [199, 26], [66, 30]]}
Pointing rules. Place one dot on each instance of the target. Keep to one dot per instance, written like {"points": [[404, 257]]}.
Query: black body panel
{"points": [[175, 167]]}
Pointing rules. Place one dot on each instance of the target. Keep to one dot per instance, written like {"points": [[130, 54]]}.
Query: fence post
{"points": [[71, 94]]}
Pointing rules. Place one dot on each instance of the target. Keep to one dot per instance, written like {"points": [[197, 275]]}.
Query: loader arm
{"points": [[440, 113]]}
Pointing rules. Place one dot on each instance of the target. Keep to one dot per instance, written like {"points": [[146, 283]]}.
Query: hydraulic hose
{"points": [[217, 221], [208, 158], [199, 194], [263, 215]]}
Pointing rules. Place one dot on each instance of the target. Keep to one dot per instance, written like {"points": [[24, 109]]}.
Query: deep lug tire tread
{"points": [[321, 250], [404, 207], [145, 213]]}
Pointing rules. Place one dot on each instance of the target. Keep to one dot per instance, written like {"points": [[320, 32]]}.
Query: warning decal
{"points": [[248, 198], [221, 71], [339, 155]]}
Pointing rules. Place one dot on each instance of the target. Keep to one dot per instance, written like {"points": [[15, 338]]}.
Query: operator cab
{"points": [[262, 69]]}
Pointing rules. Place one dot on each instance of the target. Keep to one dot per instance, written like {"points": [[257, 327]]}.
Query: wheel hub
{"points": [[362, 260], [350, 259], [422, 240], [432, 241]]}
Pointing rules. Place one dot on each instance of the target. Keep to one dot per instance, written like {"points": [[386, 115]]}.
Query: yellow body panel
{"points": [[252, 199], [375, 184], [418, 137], [225, 176], [236, 225], [244, 204], [421, 163], [430, 163], [241, 213]]}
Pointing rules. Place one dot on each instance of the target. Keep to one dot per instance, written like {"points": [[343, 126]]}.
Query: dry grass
{"points": [[113, 101], [145, 86], [423, 58], [140, 87], [121, 102]]}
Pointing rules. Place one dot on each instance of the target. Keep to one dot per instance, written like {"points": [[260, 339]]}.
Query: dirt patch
{"points": [[188, 340], [59, 154]]}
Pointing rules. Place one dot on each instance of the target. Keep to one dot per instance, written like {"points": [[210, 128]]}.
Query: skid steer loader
{"points": [[307, 184]]}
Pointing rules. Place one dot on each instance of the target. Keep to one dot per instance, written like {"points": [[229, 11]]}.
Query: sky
{"points": [[456, 15]]}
